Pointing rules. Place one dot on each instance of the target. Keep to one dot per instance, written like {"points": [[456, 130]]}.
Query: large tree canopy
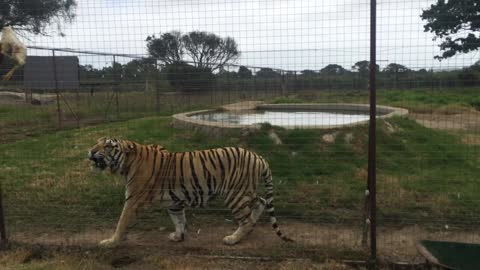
{"points": [[457, 23], [244, 72], [308, 73], [333, 69], [34, 15], [267, 73], [138, 69], [363, 67], [394, 68], [207, 51], [168, 48]]}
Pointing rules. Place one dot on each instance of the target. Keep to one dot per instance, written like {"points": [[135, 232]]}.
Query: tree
{"points": [[457, 23], [88, 72], [422, 71], [363, 67], [34, 15], [225, 74], [168, 48], [244, 73], [139, 69], [207, 51], [395, 72], [394, 68], [308, 73], [476, 66], [468, 76], [108, 71], [267, 73], [333, 69], [185, 77]]}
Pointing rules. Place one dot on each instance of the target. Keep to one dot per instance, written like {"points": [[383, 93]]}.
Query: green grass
{"points": [[19, 120], [423, 175], [418, 100]]}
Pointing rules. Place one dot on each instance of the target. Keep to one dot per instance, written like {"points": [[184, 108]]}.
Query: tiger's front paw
{"points": [[176, 237], [110, 242], [230, 240]]}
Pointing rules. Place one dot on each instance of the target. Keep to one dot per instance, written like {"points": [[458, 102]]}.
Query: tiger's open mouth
{"points": [[99, 163]]}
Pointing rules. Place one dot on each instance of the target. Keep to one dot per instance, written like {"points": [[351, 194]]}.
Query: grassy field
{"points": [[424, 175], [419, 100], [19, 121]]}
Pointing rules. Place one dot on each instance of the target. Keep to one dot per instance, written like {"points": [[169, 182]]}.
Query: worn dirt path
{"points": [[397, 244]]}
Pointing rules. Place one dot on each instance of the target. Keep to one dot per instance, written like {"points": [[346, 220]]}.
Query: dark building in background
{"points": [[39, 72]]}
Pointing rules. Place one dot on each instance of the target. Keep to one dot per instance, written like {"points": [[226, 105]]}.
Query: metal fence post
{"points": [[157, 88], [296, 82], [55, 79], [372, 139], [3, 232], [115, 87], [254, 86]]}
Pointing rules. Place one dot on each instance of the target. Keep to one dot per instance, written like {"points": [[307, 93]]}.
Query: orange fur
{"points": [[179, 179]]}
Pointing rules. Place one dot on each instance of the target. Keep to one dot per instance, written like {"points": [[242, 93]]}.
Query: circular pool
{"points": [[287, 116]]}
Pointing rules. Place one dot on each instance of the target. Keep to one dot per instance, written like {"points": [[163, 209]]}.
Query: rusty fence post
{"points": [[59, 111], [157, 88], [372, 218], [3, 231], [115, 88]]}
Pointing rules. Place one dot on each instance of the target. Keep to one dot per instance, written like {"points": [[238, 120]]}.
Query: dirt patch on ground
{"points": [[321, 240], [467, 121], [471, 139], [8, 97], [133, 259], [244, 105]]}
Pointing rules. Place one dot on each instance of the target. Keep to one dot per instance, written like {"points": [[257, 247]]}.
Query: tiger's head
{"points": [[107, 153]]}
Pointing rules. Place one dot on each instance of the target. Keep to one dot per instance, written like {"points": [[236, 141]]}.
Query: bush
{"points": [[475, 103], [468, 77], [185, 77]]}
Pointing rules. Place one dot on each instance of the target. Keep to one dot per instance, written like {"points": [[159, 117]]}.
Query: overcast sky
{"points": [[287, 34]]}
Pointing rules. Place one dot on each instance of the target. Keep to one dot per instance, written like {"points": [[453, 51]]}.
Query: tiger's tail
{"points": [[267, 176]]}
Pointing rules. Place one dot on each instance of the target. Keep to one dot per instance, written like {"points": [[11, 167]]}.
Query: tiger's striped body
{"points": [[188, 179]]}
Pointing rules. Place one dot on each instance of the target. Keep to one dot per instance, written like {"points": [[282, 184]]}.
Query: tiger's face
{"points": [[103, 153]]}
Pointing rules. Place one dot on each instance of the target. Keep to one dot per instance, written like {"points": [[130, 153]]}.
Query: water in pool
{"points": [[285, 118]]}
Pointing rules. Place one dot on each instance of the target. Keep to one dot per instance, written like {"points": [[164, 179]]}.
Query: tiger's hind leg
{"points": [[177, 214], [243, 214], [258, 207]]}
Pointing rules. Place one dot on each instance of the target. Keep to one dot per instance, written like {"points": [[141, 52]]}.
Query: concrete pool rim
{"points": [[184, 119]]}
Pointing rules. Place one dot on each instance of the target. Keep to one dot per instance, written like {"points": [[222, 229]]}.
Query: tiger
{"points": [[180, 179]]}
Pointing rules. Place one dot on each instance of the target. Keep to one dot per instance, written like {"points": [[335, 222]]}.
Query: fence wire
{"points": [[285, 79]]}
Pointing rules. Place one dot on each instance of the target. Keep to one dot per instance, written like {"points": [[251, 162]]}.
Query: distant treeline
{"points": [[183, 76]]}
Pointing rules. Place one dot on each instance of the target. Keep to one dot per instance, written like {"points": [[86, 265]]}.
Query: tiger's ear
{"points": [[111, 142]]}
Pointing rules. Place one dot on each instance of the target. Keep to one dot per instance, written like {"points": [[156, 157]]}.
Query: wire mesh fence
{"points": [[286, 79]]}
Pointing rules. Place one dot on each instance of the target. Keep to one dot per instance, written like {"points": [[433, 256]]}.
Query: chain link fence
{"points": [[110, 76]]}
